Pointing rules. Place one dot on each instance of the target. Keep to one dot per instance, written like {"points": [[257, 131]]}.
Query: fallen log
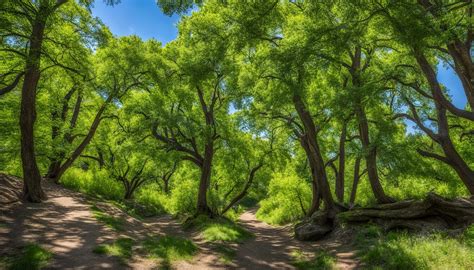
{"points": [[432, 213]]}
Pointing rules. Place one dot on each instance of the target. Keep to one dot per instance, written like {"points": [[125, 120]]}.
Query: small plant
{"points": [[218, 230], [114, 223], [121, 248], [322, 260], [32, 256]]}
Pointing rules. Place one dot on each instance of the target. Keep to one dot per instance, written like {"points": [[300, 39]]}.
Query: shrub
{"points": [[283, 202], [401, 250], [94, 183]]}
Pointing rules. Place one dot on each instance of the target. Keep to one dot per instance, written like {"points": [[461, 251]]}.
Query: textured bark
{"points": [[204, 182], [364, 132], [442, 137], [355, 182], [316, 196], [314, 154], [32, 190], [434, 212]]}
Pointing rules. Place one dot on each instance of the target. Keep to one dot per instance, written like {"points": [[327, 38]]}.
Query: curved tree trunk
{"points": [[315, 155]]}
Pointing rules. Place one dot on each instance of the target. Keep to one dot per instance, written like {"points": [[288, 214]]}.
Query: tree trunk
{"points": [[316, 198], [80, 148], [206, 171], [453, 158], [370, 152], [342, 164], [32, 190], [355, 183], [242, 194], [315, 154]]}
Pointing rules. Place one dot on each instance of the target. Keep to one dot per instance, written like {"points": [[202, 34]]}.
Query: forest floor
{"points": [[67, 226]]}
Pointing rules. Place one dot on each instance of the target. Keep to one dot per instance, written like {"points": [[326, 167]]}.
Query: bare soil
{"points": [[65, 225]]}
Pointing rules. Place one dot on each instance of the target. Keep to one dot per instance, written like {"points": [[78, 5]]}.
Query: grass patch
{"points": [[226, 253], [169, 249], [121, 248], [321, 261], [401, 250], [218, 230], [32, 256], [114, 223]]}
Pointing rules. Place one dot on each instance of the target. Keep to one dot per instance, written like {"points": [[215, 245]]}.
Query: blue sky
{"points": [[145, 19]]}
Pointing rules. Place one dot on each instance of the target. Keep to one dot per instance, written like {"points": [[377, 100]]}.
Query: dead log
{"points": [[434, 213]]}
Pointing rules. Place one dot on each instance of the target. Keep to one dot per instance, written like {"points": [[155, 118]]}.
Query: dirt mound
{"points": [[10, 189]]}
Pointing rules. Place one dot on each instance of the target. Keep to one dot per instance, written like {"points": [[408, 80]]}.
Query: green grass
{"points": [[32, 256], [121, 248], [401, 250], [321, 261], [218, 230], [226, 253], [114, 223], [169, 249]]}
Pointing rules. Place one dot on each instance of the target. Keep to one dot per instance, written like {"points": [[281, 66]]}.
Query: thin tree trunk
{"points": [[370, 150], [355, 183], [80, 148], [342, 164], [245, 190]]}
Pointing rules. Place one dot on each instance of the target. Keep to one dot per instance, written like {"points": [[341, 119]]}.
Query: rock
{"points": [[309, 231]]}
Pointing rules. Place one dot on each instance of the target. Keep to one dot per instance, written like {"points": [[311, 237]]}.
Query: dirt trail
{"points": [[272, 246], [65, 225]]}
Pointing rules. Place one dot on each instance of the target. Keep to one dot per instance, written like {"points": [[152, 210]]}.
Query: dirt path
{"points": [[272, 247], [65, 225]]}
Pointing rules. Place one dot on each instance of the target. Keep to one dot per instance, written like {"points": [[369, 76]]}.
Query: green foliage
{"points": [[321, 260], [169, 248], [121, 248], [93, 182], [218, 229], [183, 197], [31, 256], [152, 200], [401, 250], [115, 223], [285, 192]]}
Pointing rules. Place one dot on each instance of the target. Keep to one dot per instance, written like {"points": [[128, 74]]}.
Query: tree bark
{"points": [[80, 148], [342, 163], [369, 149], [315, 156], [442, 137], [32, 190], [316, 198], [205, 180], [245, 190]]}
